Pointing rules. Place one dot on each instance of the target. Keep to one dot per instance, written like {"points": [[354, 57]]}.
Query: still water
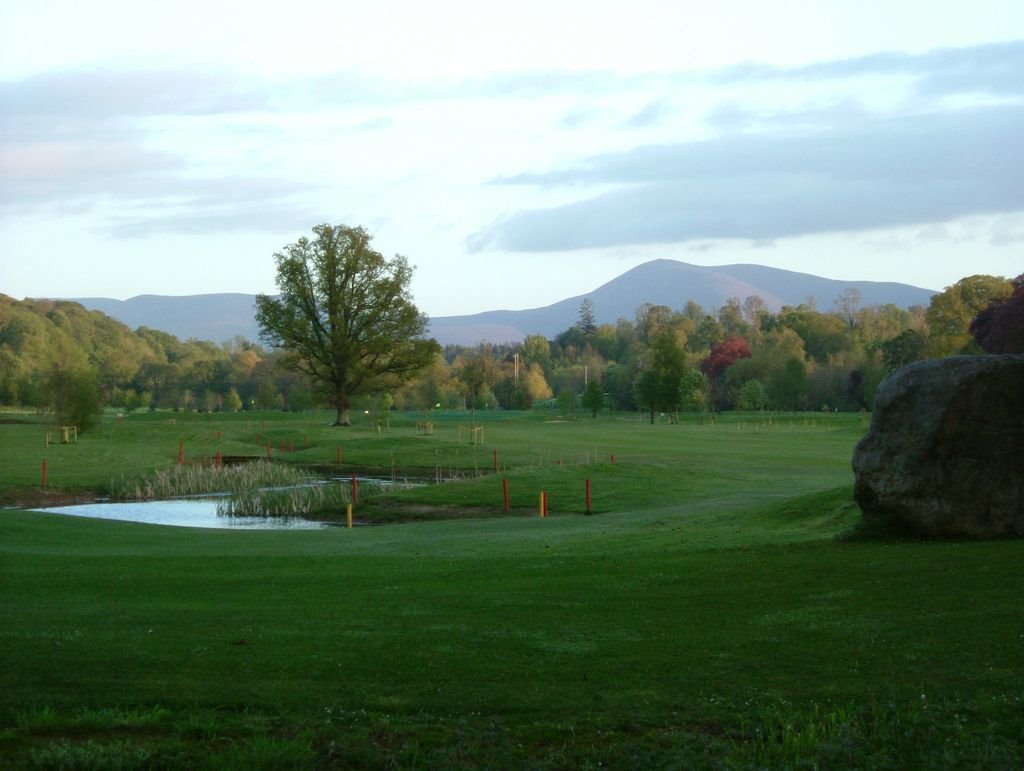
{"points": [[194, 512]]}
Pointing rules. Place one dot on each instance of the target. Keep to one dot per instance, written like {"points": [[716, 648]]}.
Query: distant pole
{"points": [[348, 514], [504, 486], [339, 456], [540, 504], [268, 449], [495, 460], [355, 490], [44, 473], [181, 453], [588, 496]]}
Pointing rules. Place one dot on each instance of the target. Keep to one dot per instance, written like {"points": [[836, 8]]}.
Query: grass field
{"points": [[718, 609]]}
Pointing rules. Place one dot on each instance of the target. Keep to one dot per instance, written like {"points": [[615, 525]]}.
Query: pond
{"points": [[193, 512]]}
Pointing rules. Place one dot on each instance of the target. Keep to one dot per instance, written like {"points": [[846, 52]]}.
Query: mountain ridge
{"points": [[222, 316]]}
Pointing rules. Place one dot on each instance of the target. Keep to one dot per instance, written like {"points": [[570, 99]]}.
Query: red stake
{"points": [[588, 496], [355, 490], [44, 473], [504, 485]]}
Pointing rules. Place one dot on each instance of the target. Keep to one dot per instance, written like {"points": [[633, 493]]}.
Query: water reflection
{"points": [[194, 512]]}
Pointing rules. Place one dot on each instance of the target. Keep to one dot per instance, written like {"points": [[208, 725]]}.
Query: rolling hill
{"points": [[220, 317]]}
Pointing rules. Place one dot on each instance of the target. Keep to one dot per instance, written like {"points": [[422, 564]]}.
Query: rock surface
{"points": [[944, 456]]}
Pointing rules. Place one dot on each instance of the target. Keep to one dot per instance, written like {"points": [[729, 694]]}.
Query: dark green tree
{"points": [[646, 388], [586, 324], [669, 365], [344, 316], [906, 347], [593, 397]]}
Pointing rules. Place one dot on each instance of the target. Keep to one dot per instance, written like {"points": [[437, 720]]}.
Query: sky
{"points": [[515, 153]]}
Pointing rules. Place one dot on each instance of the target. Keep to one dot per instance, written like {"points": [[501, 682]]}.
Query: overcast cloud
{"points": [[896, 171]]}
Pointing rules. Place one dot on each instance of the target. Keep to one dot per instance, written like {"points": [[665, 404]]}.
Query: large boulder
{"points": [[944, 456]]}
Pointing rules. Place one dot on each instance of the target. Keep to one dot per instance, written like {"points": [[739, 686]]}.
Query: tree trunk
{"points": [[341, 403], [342, 418]]}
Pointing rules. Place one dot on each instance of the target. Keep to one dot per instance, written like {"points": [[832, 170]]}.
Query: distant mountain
{"points": [[671, 283], [219, 317], [216, 317]]}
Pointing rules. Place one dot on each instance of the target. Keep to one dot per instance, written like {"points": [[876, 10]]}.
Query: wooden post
{"points": [[588, 496], [504, 486], [181, 453], [268, 449], [540, 504], [339, 456], [348, 514], [495, 460], [44, 473]]}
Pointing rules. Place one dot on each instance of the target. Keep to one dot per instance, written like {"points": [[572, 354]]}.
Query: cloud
{"points": [[56, 177], [649, 115], [886, 172], [272, 216], [105, 93], [990, 68], [109, 94]]}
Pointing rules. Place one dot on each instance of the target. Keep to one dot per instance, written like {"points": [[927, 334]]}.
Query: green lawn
{"points": [[712, 613]]}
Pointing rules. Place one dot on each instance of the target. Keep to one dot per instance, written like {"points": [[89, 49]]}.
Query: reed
{"points": [[307, 499], [179, 481]]}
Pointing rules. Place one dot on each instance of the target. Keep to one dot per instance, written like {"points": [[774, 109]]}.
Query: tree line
{"points": [[56, 355]]}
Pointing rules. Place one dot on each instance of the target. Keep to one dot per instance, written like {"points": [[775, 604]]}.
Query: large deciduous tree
{"points": [[950, 312], [344, 316]]}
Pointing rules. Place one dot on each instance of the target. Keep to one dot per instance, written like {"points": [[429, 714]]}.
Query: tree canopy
{"points": [[999, 328], [344, 316]]}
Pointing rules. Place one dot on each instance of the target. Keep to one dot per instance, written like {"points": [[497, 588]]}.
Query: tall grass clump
{"points": [[179, 481], [292, 501]]}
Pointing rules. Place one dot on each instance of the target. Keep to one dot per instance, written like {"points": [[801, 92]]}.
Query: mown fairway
{"points": [[707, 615]]}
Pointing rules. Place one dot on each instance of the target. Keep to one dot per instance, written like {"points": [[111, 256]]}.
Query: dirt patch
{"points": [[22, 498]]}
